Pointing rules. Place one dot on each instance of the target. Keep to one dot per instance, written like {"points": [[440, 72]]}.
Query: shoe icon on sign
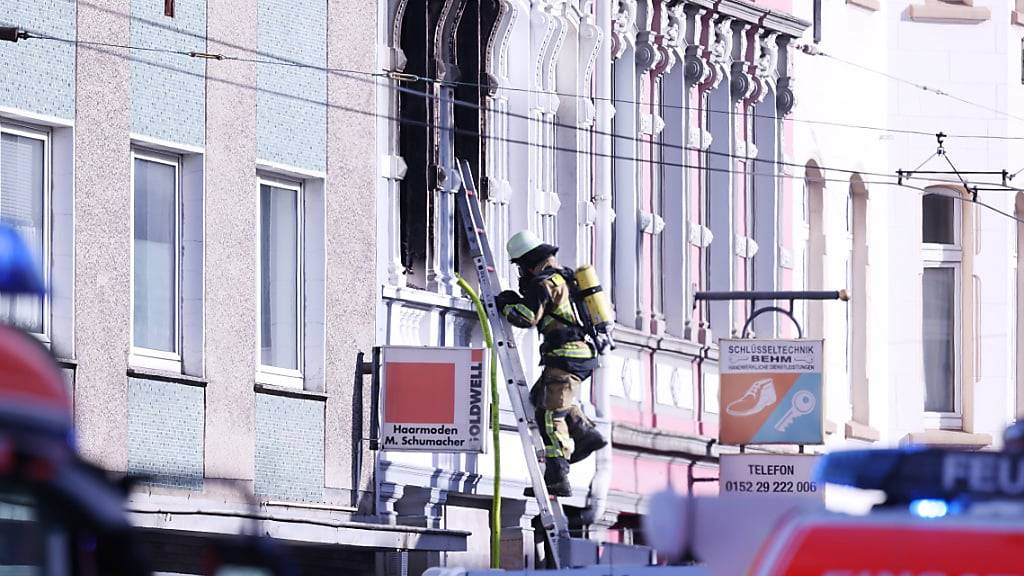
{"points": [[759, 396]]}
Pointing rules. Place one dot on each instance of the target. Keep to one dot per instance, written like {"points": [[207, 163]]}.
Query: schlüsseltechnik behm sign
{"points": [[433, 399], [770, 392]]}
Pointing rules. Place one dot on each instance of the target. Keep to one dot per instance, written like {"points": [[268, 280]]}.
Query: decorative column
{"points": [[741, 88], [518, 549], [767, 205], [496, 185], [625, 201], [719, 177], [547, 32], [575, 67], [785, 100], [388, 495], [567, 141], [441, 273], [698, 76], [393, 166], [675, 190]]}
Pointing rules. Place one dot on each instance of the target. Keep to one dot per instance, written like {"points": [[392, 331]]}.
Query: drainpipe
{"points": [[599, 486]]}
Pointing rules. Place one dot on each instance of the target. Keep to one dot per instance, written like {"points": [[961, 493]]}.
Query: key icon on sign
{"points": [[803, 403]]}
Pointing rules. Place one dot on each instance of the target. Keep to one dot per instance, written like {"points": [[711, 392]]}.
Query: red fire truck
{"points": [[946, 513]]}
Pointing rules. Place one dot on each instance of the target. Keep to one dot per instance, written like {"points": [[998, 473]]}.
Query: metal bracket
{"points": [[754, 296]]}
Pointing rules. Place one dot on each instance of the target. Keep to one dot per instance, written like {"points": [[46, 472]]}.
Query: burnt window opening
{"points": [[415, 146], [420, 131], [474, 30]]}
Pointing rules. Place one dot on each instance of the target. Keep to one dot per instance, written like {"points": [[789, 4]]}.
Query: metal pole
{"points": [[772, 295]]}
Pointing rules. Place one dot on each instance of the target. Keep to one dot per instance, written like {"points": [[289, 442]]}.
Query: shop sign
{"points": [[770, 392], [433, 399], [770, 475]]}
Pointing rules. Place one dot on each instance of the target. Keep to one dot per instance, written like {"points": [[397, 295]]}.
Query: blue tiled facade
{"points": [[38, 76], [169, 90], [291, 112], [166, 432], [289, 448]]}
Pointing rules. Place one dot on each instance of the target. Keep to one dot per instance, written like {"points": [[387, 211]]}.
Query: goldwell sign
{"points": [[433, 399]]}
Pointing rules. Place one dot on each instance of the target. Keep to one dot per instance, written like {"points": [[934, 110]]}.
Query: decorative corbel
{"points": [[556, 13], [497, 43], [672, 25], [651, 223], [396, 14], [445, 40], [765, 65], [741, 81], [699, 138], [589, 46], [648, 53], [623, 28], [720, 49], [785, 97], [696, 68], [542, 30]]}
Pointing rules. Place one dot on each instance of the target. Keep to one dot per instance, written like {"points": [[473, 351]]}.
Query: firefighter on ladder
{"points": [[568, 357]]}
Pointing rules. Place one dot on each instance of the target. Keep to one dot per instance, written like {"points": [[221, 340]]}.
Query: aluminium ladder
{"points": [[556, 526]]}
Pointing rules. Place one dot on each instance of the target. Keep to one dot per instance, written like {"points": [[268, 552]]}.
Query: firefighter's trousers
{"points": [[555, 399]]}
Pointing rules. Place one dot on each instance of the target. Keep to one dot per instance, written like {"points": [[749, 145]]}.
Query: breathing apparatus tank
{"points": [[594, 304]]}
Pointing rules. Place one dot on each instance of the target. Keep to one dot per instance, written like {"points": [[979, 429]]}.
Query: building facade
{"points": [[639, 136], [687, 146], [931, 345], [198, 178], [196, 187]]}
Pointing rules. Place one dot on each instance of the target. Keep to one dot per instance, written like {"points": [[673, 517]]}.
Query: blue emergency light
{"points": [[19, 271], [928, 475]]}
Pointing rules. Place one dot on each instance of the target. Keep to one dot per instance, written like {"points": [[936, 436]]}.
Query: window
{"points": [[155, 260], [280, 281], [24, 205], [940, 308], [169, 8]]}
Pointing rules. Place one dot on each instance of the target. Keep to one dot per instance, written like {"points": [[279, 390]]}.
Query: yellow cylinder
{"points": [[594, 297]]}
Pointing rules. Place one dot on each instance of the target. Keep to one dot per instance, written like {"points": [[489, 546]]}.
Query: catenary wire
{"points": [[917, 85], [466, 104], [278, 61], [573, 150]]}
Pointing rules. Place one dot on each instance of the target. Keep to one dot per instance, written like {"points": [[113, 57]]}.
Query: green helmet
{"points": [[527, 248]]}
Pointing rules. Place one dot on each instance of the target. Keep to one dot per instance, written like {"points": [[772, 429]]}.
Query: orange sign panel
{"points": [[434, 399]]}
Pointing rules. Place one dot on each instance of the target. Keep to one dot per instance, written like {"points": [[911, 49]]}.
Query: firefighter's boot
{"points": [[556, 477], [585, 437]]}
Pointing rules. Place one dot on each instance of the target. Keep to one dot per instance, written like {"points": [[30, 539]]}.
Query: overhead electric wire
{"points": [[466, 104], [917, 85], [280, 61], [533, 144]]}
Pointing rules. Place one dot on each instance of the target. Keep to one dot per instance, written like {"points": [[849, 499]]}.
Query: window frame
{"points": [[45, 135], [269, 374], [948, 256], [147, 357]]}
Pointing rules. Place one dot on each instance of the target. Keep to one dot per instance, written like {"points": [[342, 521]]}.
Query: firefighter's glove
{"points": [[507, 298], [512, 307]]}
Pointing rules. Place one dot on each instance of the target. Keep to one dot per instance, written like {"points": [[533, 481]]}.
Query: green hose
{"points": [[485, 326]]}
